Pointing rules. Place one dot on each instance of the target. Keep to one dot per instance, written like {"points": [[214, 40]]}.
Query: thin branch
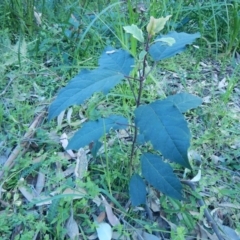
{"points": [[131, 87], [132, 78], [17, 150], [5, 90]]}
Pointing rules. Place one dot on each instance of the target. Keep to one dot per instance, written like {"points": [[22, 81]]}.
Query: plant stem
{"points": [[131, 86], [142, 77]]}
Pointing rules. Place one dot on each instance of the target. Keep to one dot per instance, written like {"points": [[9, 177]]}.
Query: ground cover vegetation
{"points": [[57, 184]]}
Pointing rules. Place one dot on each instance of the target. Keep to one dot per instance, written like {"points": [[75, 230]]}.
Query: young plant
{"points": [[160, 122]]}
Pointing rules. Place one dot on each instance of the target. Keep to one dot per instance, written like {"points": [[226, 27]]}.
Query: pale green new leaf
{"points": [[155, 25], [135, 31], [168, 40]]}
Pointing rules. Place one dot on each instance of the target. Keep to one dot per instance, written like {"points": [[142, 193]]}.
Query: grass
{"points": [[38, 60]]}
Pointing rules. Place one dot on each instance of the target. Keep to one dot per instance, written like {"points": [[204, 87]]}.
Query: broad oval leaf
{"points": [[160, 175], [117, 60], [113, 68], [184, 101], [160, 51], [93, 130], [137, 190], [135, 31], [164, 126], [82, 87]]}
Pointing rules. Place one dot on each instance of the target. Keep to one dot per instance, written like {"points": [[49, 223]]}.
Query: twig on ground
{"points": [[9, 83], [18, 149]]}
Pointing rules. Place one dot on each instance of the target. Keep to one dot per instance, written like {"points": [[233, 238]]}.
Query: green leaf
{"points": [[135, 31], [141, 55], [166, 40], [184, 101], [159, 51], [82, 87], [164, 126], [117, 60], [137, 190], [93, 130], [160, 175], [114, 65]]}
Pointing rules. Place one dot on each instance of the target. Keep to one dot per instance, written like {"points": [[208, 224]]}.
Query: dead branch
{"points": [[18, 149]]}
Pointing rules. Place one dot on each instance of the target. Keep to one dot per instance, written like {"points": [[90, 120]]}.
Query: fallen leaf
{"points": [[203, 64], [229, 232], [72, 227], [113, 220], [60, 119], [43, 200], [122, 133], [76, 193], [204, 233], [104, 231], [148, 236], [69, 171], [140, 8], [222, 84], [145, 236], [215, 77], [172, 225], [26, 193], [69, 114], [155, 207], [64, 155], [97, 201], [81, 164], [3, 159], [153, 200], [92, 237], [230, 205], [197, 178], [37, 16], [101, 217], [40, 182], [119, 236], [207, 99], [64, 142]]}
